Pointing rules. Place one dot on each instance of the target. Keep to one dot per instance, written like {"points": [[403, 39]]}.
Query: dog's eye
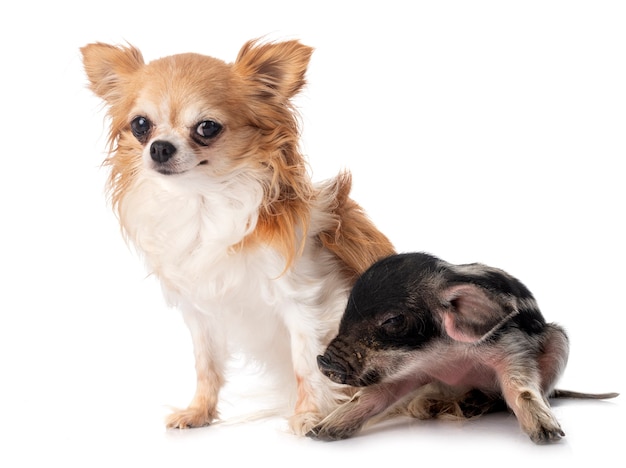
{"points": [[208, 129], [140, 126]]}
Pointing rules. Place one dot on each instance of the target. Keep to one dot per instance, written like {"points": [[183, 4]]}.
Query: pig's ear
{"points": [[470, 312]]}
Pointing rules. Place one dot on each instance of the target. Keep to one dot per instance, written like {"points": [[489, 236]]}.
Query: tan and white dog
{"points": [[209, 184]]}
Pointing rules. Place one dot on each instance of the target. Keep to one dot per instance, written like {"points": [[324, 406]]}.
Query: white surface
{"points": [[478, 131]]}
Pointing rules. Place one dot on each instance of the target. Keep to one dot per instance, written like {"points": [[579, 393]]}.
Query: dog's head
{"points": [[191, 113], [198, 122], [406, 308]]}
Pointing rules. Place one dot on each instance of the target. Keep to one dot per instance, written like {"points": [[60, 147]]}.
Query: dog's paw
{"points": [[302, 423], [190, 417]]}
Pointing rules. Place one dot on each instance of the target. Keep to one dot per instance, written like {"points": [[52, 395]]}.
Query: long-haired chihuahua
{"points": [[209, 184]]}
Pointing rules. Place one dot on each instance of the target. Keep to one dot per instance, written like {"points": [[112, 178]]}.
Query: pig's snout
{"points": [[332, 369]]}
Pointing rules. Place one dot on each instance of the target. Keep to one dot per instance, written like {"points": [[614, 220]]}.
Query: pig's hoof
{"points": [[329, 433]]}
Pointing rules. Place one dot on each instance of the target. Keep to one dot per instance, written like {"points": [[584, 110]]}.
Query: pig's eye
{"points": [[394, 323]]}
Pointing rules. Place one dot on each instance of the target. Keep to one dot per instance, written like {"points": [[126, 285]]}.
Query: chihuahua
{"points": [[210, 186]]}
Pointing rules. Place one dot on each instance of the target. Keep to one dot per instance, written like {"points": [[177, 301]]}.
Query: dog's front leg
{"points": [[313, 389], [316, 395], [209, 350]]}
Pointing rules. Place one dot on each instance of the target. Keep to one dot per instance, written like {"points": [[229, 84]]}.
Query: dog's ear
{"points": [[470, 312], [277, 69], [108, 66]]}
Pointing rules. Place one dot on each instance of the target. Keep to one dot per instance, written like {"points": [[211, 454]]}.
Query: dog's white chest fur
{"points": [[190, 232], [186, 229]]}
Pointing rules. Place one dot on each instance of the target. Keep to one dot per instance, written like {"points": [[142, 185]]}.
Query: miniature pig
{"points": [[426, 338]]}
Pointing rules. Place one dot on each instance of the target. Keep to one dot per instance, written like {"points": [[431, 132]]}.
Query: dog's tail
{"points": [[557, 393], [351, 236]]}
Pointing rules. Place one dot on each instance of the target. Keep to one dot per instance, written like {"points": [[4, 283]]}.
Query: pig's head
{"points": [[402, 309]]}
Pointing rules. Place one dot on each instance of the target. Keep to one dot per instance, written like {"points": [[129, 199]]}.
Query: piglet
{"points": [[427, 338]]}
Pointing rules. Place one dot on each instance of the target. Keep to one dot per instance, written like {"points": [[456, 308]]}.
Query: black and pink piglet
{"points": [[427, 338]]}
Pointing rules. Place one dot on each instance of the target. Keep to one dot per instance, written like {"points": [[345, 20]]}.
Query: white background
{"points": [[475, 130]]}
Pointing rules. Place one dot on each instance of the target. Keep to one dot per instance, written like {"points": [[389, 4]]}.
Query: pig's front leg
{"points": [[350, 417]]}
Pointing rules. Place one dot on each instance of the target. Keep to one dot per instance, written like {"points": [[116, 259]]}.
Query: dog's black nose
{"points": [[161, 151], [331, 369]]}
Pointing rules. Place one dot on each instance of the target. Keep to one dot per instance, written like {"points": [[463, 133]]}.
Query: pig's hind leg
{"points": [[438, 400], [553, 356], [527, 373]]}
